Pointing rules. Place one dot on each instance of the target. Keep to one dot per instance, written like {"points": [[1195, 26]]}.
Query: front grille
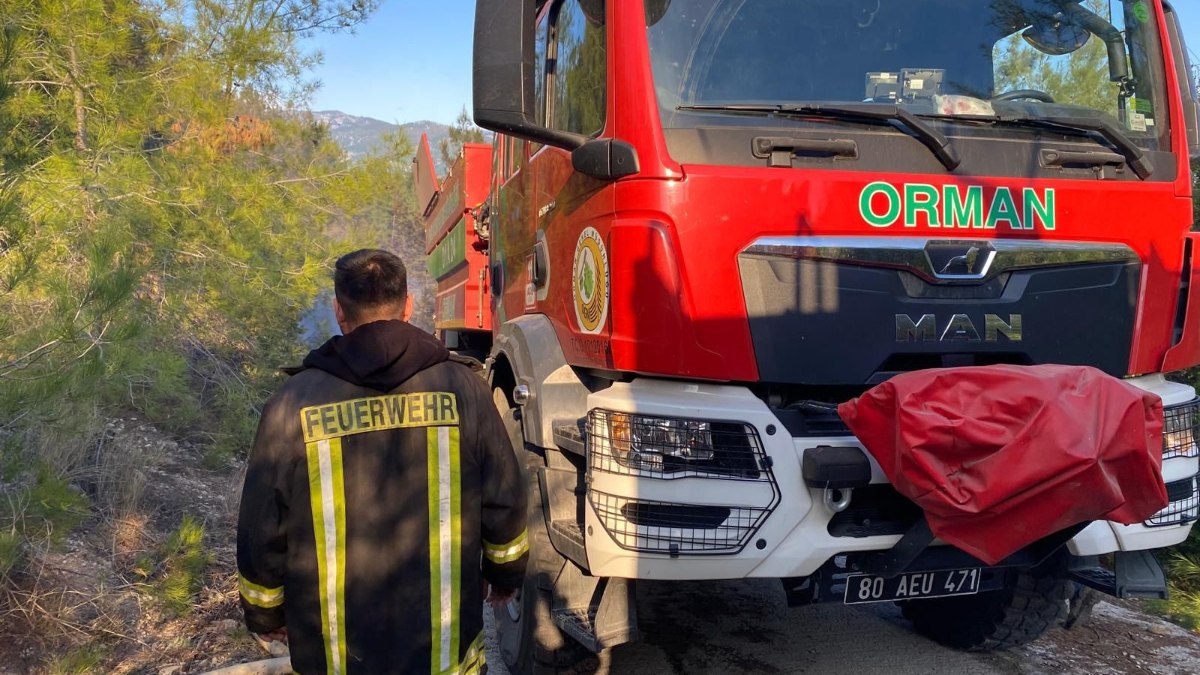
{"points": [[1180, 425], [808, 419], [663, 527], [875, 510], [1184, 506], [736, 450]]}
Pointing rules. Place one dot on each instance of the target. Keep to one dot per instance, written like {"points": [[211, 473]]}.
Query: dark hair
{"points": [[369, 279]]}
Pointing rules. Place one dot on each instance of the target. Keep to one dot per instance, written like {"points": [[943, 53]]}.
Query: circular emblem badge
{"points": [[590, 281]]}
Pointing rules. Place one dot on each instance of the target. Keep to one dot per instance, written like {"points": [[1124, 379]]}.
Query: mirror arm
{"points": [[513, 123], [1118, 60]]}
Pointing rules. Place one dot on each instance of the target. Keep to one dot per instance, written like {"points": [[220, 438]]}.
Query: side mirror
{"points": [[503, 72], [656, 10], [1183, 75], [1056, 38], [505, 33]]}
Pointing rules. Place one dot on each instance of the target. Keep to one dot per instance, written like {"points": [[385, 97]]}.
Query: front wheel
{"points": [[529, 640], [997, 620]]}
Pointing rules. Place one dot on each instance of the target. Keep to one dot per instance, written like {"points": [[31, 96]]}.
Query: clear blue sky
{"points": [[412, 61]]}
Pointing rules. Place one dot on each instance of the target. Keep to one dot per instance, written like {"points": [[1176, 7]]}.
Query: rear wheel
{"points": [[1019, 614], [530, 642]]}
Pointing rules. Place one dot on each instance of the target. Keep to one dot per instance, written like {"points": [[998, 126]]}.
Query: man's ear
{"points": [[338, 312], [408, 308]]}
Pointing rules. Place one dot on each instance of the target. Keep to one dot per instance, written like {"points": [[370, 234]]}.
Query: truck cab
{"points": [[712, 221]]}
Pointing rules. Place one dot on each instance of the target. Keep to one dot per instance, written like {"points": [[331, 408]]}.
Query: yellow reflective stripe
{"points": [[506, 553], [327, 494], [445, 537], [452, 439], [476, 657], [260, 596], [473, 661]]}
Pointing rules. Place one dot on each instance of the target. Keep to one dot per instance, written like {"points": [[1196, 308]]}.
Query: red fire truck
{"points": [[711, 222]]}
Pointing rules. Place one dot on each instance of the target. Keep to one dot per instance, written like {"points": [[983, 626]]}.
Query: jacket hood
{"points": [[379, 355]]}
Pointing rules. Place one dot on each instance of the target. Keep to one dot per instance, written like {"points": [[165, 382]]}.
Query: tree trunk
{"points": [[80, 110]]}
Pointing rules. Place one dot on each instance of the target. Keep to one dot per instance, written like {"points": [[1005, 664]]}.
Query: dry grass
{"points": [[146, 582]]}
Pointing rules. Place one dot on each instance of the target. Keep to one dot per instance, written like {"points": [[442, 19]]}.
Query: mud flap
{"points": [[597, 612], [1135, 574]]}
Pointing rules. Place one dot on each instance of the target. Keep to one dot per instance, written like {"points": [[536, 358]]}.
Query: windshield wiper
{"points": [[1134, 156], [938, 144]]}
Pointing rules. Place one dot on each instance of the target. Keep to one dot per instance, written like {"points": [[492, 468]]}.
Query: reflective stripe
{"points": [[473, 661], [260, 596], [327, 494], [509, 552], [455, 536], [445, 536], [475, 658]]}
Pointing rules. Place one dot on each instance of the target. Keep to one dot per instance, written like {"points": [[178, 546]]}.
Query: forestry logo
{"points": [[590, 281]]}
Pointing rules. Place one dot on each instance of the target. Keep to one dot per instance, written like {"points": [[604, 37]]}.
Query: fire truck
{"points": [[709, 225]]}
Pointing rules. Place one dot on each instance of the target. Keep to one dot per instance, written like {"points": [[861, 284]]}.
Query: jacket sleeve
{"points": [[505, 500], [261, 535]]}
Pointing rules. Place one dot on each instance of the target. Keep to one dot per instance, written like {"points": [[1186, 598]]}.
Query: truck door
{"points": [[568, 203]]}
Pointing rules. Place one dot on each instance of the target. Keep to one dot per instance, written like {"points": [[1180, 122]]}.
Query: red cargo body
{"points": [[455, 248]]}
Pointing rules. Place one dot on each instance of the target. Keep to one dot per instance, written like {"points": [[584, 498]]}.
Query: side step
{"points": [[570, 436], [597, 612], [1137, 574], [567, 538]]}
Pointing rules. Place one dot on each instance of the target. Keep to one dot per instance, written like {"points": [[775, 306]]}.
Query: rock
{"points": [[170, 670], [1161, 629], [228, 626]]}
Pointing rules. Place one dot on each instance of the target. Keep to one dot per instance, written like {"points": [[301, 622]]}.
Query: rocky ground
{"points": [[100, 604]]}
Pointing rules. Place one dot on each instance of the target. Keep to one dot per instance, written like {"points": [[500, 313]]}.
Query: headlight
{"points": [[671, 447], [653, 442], [1181, 429]]}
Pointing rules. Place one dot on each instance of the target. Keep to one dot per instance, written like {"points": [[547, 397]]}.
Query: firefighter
{"points": [[381, 492]]}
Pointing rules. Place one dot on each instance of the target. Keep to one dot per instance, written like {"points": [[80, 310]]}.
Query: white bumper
{"points": [[787, 522]]}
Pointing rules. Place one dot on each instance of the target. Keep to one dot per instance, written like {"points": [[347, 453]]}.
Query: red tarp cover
{"points": [[1001, 456]]}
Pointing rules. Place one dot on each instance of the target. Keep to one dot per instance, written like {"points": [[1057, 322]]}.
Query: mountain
{"points": [[360, 135]]}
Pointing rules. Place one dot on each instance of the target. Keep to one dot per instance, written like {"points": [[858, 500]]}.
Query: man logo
{"points": [[959, 328]]}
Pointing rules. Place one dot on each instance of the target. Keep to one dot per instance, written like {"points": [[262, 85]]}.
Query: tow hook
{"points": [[838, 499]]}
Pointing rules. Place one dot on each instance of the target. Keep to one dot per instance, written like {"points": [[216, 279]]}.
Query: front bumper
{"points": [[775, 525]]}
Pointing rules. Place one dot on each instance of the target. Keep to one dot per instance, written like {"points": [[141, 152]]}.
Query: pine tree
{"points": [[463, 131]]}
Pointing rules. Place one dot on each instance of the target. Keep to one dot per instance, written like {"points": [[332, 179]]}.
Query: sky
{"points": [[411, 61]]}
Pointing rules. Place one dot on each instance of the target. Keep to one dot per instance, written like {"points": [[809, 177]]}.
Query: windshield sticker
{"points": [[590, 281], [1141, 12], [882, 204]]}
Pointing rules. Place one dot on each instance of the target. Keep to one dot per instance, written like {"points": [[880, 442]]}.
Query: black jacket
{"points": [[381, 491]]}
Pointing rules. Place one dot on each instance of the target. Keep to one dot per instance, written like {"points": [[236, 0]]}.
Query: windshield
{"points": [[937, 58]]}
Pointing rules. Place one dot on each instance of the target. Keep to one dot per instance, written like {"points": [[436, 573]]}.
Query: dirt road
{"points": [[745, 627]]}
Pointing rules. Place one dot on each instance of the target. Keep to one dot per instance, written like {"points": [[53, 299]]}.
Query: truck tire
{"points": [[530, 642], [997, 620]]}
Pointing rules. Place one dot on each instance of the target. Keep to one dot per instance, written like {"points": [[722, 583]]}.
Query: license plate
{"points": [[863, 588]]}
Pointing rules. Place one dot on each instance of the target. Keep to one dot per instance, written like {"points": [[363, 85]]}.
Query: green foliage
{"points": [[10, 552], [38, 511], [164, 218], [463, 131], [1183, 573], [179, 567], [82, 660], [167, 218]]}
